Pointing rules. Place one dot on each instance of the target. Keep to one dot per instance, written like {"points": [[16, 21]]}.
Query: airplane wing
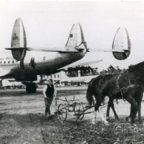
{"points": [[80, 64]]}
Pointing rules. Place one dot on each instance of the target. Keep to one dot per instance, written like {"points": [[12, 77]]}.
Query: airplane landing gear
{"points": [[31, 88]]}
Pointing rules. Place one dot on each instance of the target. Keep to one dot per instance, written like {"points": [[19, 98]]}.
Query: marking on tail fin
{"points": [[76, 37]]}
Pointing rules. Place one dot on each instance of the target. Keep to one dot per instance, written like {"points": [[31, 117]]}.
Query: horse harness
{"points": [[123, 88]]}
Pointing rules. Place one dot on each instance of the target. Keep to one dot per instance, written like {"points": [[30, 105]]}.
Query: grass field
{"points": [[36, 129], [22, 121]]}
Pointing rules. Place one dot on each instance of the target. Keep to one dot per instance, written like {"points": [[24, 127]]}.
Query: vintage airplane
{"points": [[26, 63]]}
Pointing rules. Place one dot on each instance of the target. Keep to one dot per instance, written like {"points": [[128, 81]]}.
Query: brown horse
{"points": [[113, 86], [136, 92]]}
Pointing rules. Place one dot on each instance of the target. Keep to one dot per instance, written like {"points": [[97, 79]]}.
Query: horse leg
{"points": [[115, 114], [131, 110], [102, 117], [94, 117], [108, 110], [110, 104], [134, 107], [98, 108], [139, 112], [139, 99]]}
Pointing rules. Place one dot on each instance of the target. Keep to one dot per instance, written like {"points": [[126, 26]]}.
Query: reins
{"points": [[123, 88]]}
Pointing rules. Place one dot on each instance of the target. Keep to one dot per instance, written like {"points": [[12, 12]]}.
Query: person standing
{"points": [[49, 92]]}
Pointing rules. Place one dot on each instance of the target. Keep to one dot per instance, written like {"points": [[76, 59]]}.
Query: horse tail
{"points": [[89, 94]]}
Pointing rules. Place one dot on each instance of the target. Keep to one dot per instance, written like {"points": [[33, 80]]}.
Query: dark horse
{"points": [[134, 91], [118, 86]]}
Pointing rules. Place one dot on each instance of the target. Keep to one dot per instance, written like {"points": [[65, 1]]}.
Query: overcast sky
{"points": [[48, 23]]}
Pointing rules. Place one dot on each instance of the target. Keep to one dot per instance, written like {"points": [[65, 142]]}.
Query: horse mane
{"points": [[136, 68]]}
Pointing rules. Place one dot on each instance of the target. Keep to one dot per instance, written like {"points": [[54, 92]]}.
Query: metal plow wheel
{"points": [[79, 111], [62, 112]]}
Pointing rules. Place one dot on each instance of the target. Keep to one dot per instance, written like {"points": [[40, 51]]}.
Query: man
{"points": [[49, 92]]}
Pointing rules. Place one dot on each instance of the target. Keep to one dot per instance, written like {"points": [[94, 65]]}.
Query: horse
{"points": [[136, 92], [111, 85]]}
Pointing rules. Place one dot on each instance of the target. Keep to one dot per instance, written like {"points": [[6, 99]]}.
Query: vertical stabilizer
{"points": [[18, 38], [76, 38], [19, 42], [121, 42]]}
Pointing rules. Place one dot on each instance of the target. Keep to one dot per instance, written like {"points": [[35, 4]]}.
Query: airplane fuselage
{"points": [[37, 63]]}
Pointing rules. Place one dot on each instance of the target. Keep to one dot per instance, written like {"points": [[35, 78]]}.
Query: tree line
{"points": [[88, 71]]}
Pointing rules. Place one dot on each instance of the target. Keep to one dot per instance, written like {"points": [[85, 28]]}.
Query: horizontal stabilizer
{"points": [[53, 49], [105, 50], [15, 48], [46, 49], [63, 50]]}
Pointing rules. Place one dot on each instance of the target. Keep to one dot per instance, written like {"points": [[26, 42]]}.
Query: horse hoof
{"points": [[117, 119], [128, 119], [106, 123], [93, 121], [107, 118], [134, 124], [140, 121]]}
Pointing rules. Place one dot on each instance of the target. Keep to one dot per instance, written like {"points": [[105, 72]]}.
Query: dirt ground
{"points": [[22, 121]]}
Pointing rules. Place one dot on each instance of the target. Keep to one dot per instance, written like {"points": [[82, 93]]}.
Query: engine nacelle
{"points": [[121, 46]]}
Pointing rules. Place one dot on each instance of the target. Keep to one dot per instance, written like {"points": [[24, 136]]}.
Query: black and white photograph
{"points": [[71, 72]]}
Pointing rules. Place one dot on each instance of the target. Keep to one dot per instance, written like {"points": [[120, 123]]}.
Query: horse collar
{"points": [[117, 84], [117, 81]]}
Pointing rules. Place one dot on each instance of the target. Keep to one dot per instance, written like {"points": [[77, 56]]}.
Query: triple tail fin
{"points": [[121, 42], [18, 42], [76, 38], [18, 39]]}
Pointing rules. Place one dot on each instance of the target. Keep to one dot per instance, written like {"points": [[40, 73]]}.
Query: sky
{"points": [[48, 23]]}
